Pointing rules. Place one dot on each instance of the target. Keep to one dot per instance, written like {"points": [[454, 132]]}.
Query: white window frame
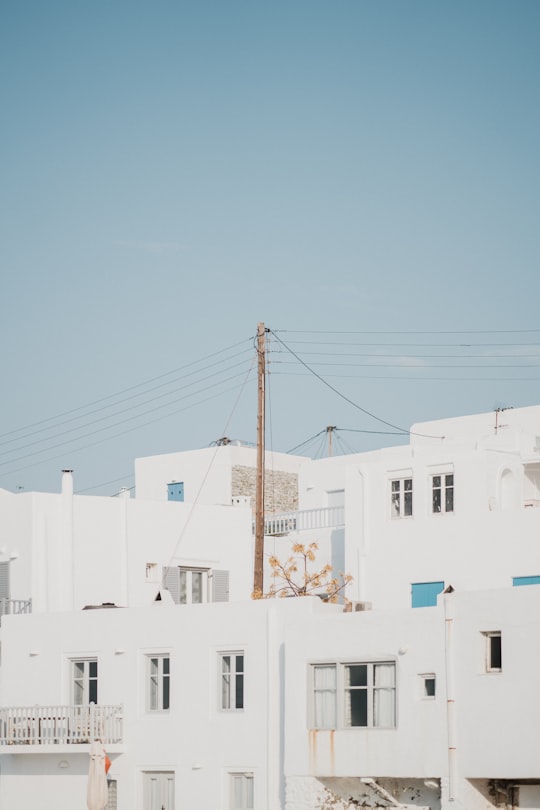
{"points": [[232, 680], [401, 497], [338, 695], [84, 680], [491, 654], [152, 572], [112, 795], [188, 587], [441, 485], [428, 692], [158, 679], [241, 790]]}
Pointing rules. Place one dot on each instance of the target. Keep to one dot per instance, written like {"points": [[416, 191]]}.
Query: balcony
{"points": [[48, 726], [11, 606], [304, 520]]}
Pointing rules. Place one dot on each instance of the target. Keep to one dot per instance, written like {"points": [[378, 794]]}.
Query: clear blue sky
{"points": [[175, 171]]}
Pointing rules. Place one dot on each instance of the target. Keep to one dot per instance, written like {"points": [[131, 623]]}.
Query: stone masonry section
{"points": [[280, 488]]}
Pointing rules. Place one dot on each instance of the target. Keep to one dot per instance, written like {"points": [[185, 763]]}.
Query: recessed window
{"points": [[188, 586], [493, 643], [231, 680], [428, 682], [353, 695], [151, 572], [241, 791], [112, 802], [193, 586], [442, 493], [84, 681], [401, 498], [159, 683]]}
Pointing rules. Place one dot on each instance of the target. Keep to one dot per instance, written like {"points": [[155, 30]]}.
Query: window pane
{"points": [[183, 587], [325, 710], [356, 675], [429, 687], [407, 510], [78, 693], [358, 712], [325, 677], [436, 500], [436, 480], [408, 485], [384, 708], [166, 666], [93, 669], [238, 792], [92, 692], [249, 793], [239, 696], [495, 650], [395, 505], [166, 692], [154, 692], [226, 692], [196, 587], [384, 674], [449, 500]]}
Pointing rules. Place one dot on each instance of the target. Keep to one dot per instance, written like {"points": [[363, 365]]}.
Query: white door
{"points": [[159, 790]]}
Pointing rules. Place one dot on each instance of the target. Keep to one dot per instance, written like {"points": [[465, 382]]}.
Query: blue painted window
{"points": [[526, 580], [175, 491], [424, 594]]}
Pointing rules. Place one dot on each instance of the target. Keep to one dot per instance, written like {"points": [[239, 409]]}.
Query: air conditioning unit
{"points": [[356, 607]]}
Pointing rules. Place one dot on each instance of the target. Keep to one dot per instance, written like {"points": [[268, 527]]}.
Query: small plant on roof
{"points": [[294, 577]]}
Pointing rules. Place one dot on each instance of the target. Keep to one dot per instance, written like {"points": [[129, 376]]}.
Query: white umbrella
{"points": [[97, 793]]}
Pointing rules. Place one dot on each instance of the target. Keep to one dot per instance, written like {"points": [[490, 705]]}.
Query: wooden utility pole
{"points": [[330, 431], [259, 488]]}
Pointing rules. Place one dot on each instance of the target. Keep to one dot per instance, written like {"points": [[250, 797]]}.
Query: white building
{"points": [[387, 705]]}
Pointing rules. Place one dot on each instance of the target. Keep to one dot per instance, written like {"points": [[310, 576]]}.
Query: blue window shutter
{"points": [[175, 491], [424, 594], [533, 580]]}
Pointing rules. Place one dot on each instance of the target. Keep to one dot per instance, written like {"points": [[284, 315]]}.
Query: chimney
{"points": [[67, 482]]}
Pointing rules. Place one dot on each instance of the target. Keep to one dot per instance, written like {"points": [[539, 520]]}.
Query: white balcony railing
{"points": [[8, 606], [306, 519], [52, 725]]}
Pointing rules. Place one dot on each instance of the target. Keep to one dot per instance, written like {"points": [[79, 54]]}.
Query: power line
{"points": [[350, 401], [381, 356], [119, 393], [416, 365], [128, 476], [413, 345], [400, 377], [117, 435], [123, 411], [410, 332]]}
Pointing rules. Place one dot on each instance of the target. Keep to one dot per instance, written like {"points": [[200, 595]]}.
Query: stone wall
{"points": [[280, 488]]}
